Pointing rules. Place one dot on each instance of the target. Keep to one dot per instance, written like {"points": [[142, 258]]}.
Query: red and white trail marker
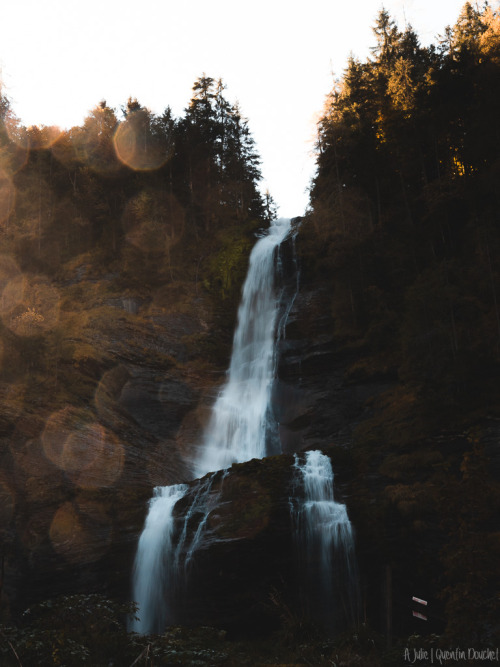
{"points": [[424, 602], [417, 614]]}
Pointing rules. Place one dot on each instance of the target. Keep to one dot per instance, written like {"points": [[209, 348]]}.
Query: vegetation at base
{"points": [[90, 630], [71, 630], [404, 228]]}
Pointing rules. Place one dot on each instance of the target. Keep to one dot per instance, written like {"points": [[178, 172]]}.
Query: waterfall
{"points": [[152, 574], [324, 545], [237, 431], [239, 420]]}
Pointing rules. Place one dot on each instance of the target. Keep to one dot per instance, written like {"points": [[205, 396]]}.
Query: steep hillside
{"points": [[399, 258], [120, 274]]}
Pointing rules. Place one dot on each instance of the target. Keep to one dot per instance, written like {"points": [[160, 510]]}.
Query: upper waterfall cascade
{"points": [[239, 420]]}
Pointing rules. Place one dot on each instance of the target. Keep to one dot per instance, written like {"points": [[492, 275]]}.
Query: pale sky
{"points": [[278, 58]]}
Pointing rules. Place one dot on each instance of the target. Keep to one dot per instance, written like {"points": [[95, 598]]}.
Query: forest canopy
{"points": [[403, 238], [405, 204], [128, 182]]}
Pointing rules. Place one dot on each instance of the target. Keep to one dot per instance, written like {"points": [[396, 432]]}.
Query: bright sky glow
{"points": [[277, 58]]}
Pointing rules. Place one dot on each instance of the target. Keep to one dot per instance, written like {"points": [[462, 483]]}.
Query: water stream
{"points": [[324, 542], [153, 569], [237, 431], [239, 420], [242, 427]]}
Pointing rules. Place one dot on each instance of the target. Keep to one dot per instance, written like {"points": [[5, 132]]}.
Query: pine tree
{"points": [[95, 140], [137, 142], [467, 31], [387, 37]]}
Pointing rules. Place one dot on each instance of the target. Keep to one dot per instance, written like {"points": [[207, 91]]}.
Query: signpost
{"points": [[424, 602], [418, 614]]}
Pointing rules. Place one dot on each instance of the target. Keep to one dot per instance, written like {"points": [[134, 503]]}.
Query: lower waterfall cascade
{"points": [[324, 543], [240, 428], [152, 574]]}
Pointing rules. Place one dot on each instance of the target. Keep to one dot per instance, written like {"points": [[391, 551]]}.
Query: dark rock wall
{"points": [[244, 559], [78, 461], [70, 518], [76, 531], [315, 402]]}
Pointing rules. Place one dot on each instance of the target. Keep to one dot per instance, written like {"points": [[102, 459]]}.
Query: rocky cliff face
{"points": [[244, 556], [316, 402], [76, 476], [83, 446]]}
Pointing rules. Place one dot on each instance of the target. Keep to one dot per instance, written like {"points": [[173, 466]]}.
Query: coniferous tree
{"points": [[398, 132], [95, 139]]}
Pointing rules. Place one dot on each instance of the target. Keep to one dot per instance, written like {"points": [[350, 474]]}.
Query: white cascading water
{"points": [[237, 428], [152, 570], [236, 432], [325, 543]]}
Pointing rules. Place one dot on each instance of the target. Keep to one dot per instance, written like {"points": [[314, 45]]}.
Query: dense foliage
{"points": [[144, 181], [404, 231], [147, 200], [405, 203]]}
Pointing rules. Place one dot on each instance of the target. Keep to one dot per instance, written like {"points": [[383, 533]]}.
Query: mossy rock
{"points": [[244, 511]]}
